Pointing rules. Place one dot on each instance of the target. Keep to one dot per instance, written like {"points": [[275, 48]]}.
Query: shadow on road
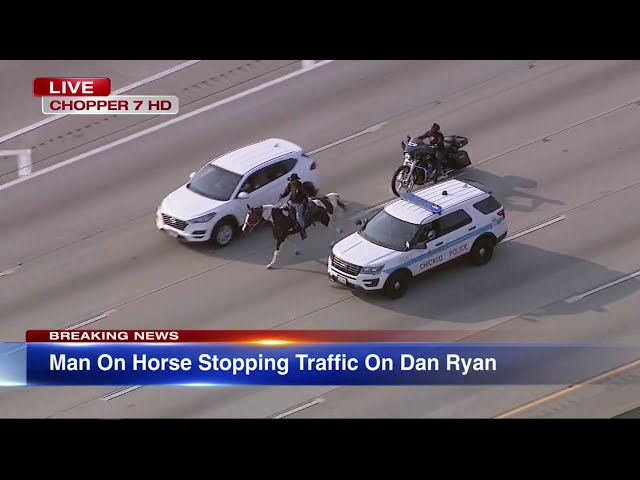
{"points": [[450, 291], [460, 292], [257, 247], [509, 190]]}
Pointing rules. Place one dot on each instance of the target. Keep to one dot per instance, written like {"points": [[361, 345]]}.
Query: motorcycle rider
{"points": [[437, 141], [298, 200]]}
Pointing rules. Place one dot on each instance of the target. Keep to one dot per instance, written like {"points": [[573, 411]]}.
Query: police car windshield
{"points": [[388, 231], [214, 182]]}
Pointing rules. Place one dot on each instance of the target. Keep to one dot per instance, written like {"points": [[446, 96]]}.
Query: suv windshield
{"points": [[388, 231], [214, 182]]}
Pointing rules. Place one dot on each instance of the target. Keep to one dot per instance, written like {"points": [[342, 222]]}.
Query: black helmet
{"points": [[435, 127], [294, 176]]}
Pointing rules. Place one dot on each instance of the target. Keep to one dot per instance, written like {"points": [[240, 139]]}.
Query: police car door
{"points": [[422, 258], [455, 235]]}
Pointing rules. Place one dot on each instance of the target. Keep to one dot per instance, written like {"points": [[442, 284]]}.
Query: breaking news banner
{"points": [[92, 96], [336, 358]]}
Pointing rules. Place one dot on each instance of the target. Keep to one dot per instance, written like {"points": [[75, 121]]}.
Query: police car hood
{"points": [[357, 250]]}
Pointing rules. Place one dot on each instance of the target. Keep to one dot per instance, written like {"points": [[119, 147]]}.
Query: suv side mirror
{"points": [[243, 195]]}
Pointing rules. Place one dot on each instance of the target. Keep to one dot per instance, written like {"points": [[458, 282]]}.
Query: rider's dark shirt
{"points": [[437, 139], [294, 188]]}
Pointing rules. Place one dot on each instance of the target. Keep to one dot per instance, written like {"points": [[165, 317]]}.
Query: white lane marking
{"points": [[120, 392], [299, 408], [534, 228], [144, 81], [588, 293], [168, 123], [15, 350], [75, 326], [350, 137], [91, 320], [8, 271]]}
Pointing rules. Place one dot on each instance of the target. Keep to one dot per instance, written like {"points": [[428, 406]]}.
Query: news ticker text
{"points": [[295, 357]]}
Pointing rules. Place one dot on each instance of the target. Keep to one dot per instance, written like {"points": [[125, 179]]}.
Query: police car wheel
{"points": [[396, 285], [482, 251]]}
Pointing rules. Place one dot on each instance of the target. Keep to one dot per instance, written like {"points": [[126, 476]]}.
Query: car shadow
{"points": [[257, 246], [460, 292], [509, 189]]}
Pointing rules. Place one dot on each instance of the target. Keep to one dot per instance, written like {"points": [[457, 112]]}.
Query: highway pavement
{"points": [[194, 83], [556, 140], [634, 413]]}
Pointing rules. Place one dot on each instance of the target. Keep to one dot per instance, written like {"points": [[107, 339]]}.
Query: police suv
{"points": [[416, 233]]}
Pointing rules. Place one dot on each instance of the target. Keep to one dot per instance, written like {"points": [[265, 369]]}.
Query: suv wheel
{"points": [[223, 233]]}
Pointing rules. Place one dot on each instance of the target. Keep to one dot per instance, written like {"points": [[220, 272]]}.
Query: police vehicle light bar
{"points": [[426, 204]]}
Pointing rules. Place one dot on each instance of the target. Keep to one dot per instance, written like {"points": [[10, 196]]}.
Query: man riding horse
{"points": [[298, 201]]}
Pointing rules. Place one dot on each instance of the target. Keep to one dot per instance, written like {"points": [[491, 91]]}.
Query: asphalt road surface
{"points": [[554, 139], [195, 84], [635, 413]]}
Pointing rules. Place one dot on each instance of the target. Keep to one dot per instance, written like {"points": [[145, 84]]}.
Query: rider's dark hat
{"points": [[294, 176]]}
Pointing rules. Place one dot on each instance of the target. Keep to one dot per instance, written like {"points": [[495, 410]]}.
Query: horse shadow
{"points": [[257, 247], [462, 293], [510, 190]]}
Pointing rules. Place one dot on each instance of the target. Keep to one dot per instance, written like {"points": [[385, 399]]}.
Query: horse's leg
{"points": [[295, 247], [275, 252], [333, 225]]}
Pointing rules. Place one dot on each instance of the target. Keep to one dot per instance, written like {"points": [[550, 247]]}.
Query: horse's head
{"points": [[253, 219]]}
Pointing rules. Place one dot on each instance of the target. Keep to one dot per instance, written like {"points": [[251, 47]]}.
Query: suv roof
{"points": [[414, 208], [245, 159]]}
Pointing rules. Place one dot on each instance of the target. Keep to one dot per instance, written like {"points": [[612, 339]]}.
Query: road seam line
{"points": [[570, 389], [27, 170], [558, 132], [299, 408], [349, 138]]}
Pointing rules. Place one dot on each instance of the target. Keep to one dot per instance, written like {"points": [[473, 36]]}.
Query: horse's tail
{"points": [[335, 200]]}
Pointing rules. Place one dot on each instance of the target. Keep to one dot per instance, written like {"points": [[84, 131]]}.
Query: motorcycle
{"points": [[417, 168]]}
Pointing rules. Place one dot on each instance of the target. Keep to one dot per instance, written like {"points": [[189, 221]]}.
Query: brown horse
{"points": [[283, 219]]}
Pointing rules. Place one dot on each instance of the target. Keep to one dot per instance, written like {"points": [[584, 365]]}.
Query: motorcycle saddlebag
{"points": [[456, 141], [460, 160]]}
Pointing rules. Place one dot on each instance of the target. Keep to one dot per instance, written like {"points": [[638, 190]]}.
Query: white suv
{"points": [[214, 203], [416, 233]]}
